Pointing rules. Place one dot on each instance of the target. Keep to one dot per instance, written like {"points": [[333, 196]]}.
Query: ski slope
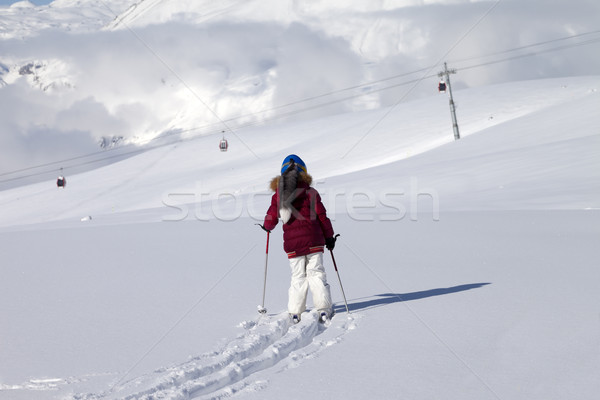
{"points": [[470, 266], [362, 151]]}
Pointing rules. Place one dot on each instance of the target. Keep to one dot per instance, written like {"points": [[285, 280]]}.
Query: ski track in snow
{"points": [[51, 384], [269, 341]]}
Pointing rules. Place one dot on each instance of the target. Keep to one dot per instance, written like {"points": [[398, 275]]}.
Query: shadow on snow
{"points": [[390, 298]]}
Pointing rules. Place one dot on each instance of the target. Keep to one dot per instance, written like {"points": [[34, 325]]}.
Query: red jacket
{"points": [[308, 226]]}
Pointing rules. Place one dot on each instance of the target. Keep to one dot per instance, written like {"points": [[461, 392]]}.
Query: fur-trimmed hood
{"points": [[286, 186], [298, 206], [304, 177]]}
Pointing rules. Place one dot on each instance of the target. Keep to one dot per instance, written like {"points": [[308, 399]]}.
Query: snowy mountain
{"points": [[90, 71], [469, 266], [23, 20]]}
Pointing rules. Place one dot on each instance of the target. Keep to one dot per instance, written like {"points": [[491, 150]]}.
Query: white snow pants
{"points": [[308, 272]]}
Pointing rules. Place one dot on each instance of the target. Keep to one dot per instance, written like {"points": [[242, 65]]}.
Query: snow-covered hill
{"points": [[470, 266], [23, 19], [513, 126]]}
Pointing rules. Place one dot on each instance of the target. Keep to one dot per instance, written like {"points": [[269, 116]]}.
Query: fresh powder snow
{"points": [[470, 267]]}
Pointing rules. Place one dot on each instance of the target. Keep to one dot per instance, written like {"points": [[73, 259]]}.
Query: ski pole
{"points": [[339, 279], [261, 308]]}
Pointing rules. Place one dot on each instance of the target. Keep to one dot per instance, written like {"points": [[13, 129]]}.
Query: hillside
{"points": [[500, 164], [470, 266]]}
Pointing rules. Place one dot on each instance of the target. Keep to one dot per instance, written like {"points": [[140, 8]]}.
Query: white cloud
{"points": [[162, 77]]}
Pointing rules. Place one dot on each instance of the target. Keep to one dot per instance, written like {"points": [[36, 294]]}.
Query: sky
{"points": [[36, 2], [178, 68]]}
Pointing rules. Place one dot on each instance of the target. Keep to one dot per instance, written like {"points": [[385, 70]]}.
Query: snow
{"points": [[470, 266], [358, 155]]}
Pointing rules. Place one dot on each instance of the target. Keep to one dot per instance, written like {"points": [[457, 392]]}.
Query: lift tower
{"points": [[445, 74]]}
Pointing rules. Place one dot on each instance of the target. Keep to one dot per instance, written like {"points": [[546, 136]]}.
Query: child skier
{"points": [[306, 231]]}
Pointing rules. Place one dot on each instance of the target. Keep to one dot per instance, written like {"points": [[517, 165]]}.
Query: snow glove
{"points": [[330, 243]]}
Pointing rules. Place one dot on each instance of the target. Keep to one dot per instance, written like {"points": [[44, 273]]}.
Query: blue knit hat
{"points": [[297, 160]]}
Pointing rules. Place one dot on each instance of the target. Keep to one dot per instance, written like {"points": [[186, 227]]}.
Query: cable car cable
{"points": [[525, 47], [165, 135]]}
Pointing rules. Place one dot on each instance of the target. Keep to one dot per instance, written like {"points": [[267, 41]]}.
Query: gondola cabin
{"points": [[61, 182], [223, 145], [442, 87]]}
